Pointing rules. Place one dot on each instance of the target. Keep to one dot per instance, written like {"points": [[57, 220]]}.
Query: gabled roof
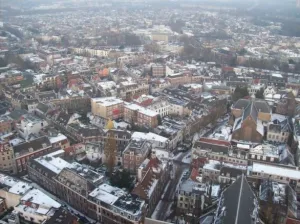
{"points": [[260, 105], [142, 188], [238, 204], [43, 107], [16, 114], [250, 110], [63, 118], [34, 145]]}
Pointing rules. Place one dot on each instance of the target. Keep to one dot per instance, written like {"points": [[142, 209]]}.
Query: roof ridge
{"points": [[239, 200]]}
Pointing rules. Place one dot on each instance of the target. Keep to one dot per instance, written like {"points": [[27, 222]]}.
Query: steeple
{"points": [[110, 124]]}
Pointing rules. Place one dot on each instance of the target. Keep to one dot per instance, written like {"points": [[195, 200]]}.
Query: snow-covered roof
{"points": [[265, 150], [275, 170], [107, 193], [277, 75], [148, 136], [38, 197], [7, 180], [160, 153], [260, 127], [140, 109], [108, 101], [212, 165], [58, 138], [278, 117], [104, 196], [20, 188], [55, 164], [242, 146]]}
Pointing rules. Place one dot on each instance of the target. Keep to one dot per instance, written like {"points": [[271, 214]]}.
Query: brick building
{"points": [[135, 153], [132, 90], [286, 105], [110, 107], [6, 124], [249, 117], [6, 158], [153, 176], [140, 116], [25, 151], [84, 190]]}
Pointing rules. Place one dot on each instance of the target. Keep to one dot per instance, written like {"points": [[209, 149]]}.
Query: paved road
{"points": [[168, 197]]}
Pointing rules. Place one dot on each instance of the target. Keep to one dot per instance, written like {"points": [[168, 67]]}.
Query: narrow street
{"points": [[163, 208], [168, 198]]}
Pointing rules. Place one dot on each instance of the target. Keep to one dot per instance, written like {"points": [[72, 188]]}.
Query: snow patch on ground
{"points": [[177, 156], [188, 158], [157, 210]]}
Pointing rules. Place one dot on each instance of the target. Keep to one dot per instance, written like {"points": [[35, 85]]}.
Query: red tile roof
{"points": [[215, 141], [194, 174]]}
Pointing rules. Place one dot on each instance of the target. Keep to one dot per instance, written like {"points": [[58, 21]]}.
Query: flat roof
{"points": [[142, 110], [108, 101], [37, 197], [276, 170], [148, 136]]}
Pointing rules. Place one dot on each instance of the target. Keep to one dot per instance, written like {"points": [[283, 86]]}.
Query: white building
{"points": [[157, 141], [91, 52], [161, 107], [36, 207], [30, 124], [270, 90], [287, 175]]}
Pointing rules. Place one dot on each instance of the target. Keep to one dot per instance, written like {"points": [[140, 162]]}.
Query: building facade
{"points": [[110, 108], [134, 154]]}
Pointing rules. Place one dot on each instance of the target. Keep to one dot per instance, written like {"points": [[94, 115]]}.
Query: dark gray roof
{"points": [[276, 128], [16, 114], [47, 95], [63, 118], [42, 169], [62, 216], [35, 144], [120, 133], [260, 105], [241, 104], [88, 131], [32, 101], [250, 110], [137, 147], [238, 204], [43, 107]]}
